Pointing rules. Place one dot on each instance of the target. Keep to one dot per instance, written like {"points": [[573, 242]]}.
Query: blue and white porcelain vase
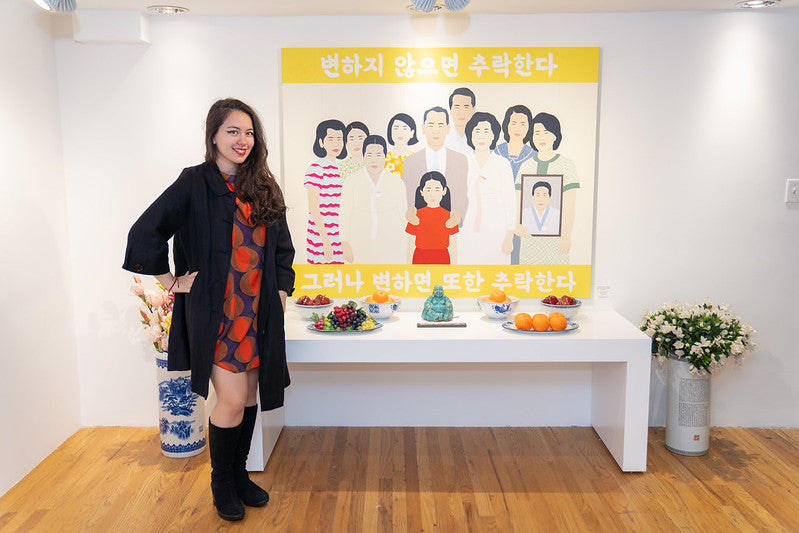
{"points": [[181, 412]]}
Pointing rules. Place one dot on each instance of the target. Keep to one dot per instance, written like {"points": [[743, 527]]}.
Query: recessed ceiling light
{"points": [[59, 6], [413, 11], [755, 4], [166, 10]]}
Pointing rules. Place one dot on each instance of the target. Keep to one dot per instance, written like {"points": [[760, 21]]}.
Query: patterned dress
{"points": [[394, 163], [348, 166], [236, 347], [325, 177], [538, 250]]}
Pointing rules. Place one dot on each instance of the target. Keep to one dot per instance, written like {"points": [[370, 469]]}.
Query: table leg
{"points": [[619, 412], [263, 442]]}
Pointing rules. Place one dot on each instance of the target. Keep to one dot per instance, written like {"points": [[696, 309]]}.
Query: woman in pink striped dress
{"points": [[323, 183]]}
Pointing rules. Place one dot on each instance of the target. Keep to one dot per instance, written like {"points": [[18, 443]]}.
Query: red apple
{"points": [[566, 300], [551, 300]]}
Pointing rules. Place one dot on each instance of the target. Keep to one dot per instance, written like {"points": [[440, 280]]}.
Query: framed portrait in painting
{"points": [[541, 204]]}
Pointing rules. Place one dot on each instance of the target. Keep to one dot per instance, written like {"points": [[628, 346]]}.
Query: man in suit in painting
{"points": [[436, 156]]}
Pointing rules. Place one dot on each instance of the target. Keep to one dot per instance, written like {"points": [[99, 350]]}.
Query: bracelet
{"points": [[173, 284]]}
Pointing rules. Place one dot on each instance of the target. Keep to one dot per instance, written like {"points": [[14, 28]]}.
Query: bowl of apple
{"points": [[565, 304], [381, 305], [497, 305], [307, 306]]}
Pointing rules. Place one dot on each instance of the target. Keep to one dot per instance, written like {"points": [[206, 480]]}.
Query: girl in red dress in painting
{"points": [[435, 242]]}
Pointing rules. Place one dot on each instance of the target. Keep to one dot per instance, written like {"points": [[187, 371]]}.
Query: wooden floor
{"points": [[419, 479]]}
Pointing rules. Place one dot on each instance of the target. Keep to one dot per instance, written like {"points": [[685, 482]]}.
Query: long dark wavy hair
{"points": [[255, 183]]}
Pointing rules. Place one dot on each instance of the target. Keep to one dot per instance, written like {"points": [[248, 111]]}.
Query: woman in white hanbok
{"points": [[486, 236], [373, 205]]}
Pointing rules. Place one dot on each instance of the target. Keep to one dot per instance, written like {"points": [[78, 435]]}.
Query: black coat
{"points": [[198, 209]]}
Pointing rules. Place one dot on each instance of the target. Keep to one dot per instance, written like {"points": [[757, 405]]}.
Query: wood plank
{"points": [[419, 479]]}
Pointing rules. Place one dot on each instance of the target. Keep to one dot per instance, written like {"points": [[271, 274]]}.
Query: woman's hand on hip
{"points": [[177, 284]]}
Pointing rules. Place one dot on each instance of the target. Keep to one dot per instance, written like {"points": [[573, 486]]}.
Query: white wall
{"points": [[39, 402], [697, 129]]}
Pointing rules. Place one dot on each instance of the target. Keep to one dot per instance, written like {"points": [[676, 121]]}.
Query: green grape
{"points": [[368, 323]]}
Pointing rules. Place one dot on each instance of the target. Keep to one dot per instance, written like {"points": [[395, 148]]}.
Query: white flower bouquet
{"points": [[703, 334], [156, 312]]}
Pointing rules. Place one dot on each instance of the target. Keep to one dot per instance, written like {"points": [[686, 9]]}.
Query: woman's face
{"points": [[355, 140], [234, 141], [542, 139], [482, 136], [433, 192], [518, 126], [374, 158], [333, 143], [401, 133]]}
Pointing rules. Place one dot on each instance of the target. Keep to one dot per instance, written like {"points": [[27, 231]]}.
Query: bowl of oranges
{"points": [[497, 304], [541, 322], [381, 304]]}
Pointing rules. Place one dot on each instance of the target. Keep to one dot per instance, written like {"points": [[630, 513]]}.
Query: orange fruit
{"points": [[497, 295], [523, 321], [368, 299], [540, 322], [380, 296], [557, 321]]}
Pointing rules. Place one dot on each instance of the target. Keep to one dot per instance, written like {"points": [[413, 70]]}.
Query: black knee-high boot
{"points": [[222, 445], [250, 493]]}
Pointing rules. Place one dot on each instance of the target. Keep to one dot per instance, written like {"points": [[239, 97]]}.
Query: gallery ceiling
{"points": [[399, 7]]}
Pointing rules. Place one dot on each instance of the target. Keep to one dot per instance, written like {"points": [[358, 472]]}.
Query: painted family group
{"points": [[466, 197]]}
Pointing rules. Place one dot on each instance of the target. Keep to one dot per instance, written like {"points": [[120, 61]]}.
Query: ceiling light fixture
{"points": [[59, 6], [166, 10], [756, 4], [434, 6]]}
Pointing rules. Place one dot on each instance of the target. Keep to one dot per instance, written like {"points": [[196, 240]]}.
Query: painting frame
{"points": [[541, 224]]}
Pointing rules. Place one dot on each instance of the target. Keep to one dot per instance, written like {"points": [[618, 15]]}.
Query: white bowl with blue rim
{"points": [[381, 310], [497, 310]]}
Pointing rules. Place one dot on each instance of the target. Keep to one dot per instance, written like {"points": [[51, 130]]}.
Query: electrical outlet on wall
{"points": [[792, 191]]}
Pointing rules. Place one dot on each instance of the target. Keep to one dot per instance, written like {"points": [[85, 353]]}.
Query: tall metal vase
{"points": [[687, 409], [181, 412]]}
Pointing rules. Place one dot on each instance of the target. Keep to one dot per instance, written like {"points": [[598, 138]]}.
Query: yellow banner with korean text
{"points": [[441, 65], [417, 281]]}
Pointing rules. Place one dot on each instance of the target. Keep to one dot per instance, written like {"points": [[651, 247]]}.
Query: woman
{"points": [[373, 205], [487, 233], [546, 140], [517, 127], [354, 136], [323, 183], [401, 135], [232, 243]]}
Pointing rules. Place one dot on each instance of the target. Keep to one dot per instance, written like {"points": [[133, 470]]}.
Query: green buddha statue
{"points": [[437, 307]]}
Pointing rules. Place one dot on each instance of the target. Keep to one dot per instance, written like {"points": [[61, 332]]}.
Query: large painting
{"points": [[472, 168]]}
